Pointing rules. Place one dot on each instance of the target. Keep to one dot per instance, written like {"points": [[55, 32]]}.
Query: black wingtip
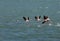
{"points": [[35, 17], [28, 18], [43, 22], [24, 18], [45, 17], [39, 17]]}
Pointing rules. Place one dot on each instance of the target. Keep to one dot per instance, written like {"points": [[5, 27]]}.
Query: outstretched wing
{"points": [[24, 18], [28, 18], [45, 17], [35, 17], [39, 17], [43, 22]]}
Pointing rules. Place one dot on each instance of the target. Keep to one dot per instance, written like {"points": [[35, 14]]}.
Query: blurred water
{"points": [[13, 27]]}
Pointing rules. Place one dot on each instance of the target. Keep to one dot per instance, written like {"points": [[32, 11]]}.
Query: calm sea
{"points": [[14, 28]]}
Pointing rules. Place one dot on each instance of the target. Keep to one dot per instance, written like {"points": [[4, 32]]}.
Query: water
{"points": [[13, 27]]}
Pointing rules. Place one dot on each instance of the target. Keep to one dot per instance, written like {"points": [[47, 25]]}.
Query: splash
{"points": [[58, 24], [58, 12], [50, 24], [38, 26]]}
